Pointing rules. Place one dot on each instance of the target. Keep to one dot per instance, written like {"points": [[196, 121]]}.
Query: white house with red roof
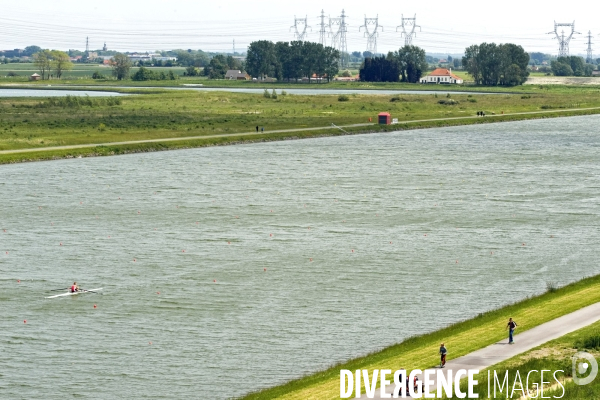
{"points": [[442, 76]]}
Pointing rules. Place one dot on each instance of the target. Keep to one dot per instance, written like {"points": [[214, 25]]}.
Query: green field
{"points": [[465, 337], [27, 123]]}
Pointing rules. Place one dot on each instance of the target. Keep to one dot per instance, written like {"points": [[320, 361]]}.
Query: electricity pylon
{"points": [[590, 57], [563, 40], [322, 30], [408, 29], [371, 35], [300, 26], [340, 40]]}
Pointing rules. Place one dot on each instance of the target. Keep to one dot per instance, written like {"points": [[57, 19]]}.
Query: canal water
{"points": [[229, 269], [55, 93]]}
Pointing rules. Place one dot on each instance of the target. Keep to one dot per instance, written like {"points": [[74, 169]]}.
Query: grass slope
{"points": [[464, 337], [29, 123]]}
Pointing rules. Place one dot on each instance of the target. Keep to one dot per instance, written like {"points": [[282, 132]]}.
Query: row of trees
{"points": [[52, 62], [571, 66], [291, 60], [492, 65], [406, 65]]}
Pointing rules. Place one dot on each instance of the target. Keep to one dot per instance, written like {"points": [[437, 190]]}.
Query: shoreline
{"points": [[180, 143]]}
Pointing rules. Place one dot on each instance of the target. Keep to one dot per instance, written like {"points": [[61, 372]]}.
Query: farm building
{"points": [[236, 75], [442, 76], [35, 77]]}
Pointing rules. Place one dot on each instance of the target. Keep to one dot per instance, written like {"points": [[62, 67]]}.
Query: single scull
{"points": [[83, 291]]}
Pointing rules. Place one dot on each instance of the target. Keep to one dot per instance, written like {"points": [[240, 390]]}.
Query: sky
{"points": [[148, 25]]}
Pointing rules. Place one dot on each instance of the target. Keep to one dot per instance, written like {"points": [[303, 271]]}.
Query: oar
{"points": [[57, 290]]}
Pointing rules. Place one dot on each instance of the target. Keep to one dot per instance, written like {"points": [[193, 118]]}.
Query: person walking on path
{"points": [[443, 352], [256, 128], [511, 326]]}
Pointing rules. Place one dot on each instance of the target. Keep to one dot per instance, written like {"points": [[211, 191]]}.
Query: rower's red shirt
{"points": [[73, 289]]}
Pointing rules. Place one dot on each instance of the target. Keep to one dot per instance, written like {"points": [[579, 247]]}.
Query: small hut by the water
{"points": [[35, 77]]}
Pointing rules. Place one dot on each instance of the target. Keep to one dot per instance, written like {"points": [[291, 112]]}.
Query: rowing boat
{"points": [[74, 293]]}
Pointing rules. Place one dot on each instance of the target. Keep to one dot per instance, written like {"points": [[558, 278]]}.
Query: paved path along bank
{"points": [[525, 341], [497, 117]]}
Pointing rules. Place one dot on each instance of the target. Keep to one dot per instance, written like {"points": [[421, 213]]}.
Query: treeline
{"points": [[405, 65], [571, 66], [289, 61], [492, 65], [145, 74], [216, 68]]}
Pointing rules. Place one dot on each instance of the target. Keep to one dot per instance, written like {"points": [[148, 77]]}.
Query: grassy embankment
{"points": [[554, 355], [463, 337], [214, 118]]}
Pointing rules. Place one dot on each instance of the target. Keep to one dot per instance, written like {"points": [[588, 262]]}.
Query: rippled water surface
{"points": [[277, 259]]}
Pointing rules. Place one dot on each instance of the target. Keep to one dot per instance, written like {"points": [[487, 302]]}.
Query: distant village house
{"points": [[442, 76]]}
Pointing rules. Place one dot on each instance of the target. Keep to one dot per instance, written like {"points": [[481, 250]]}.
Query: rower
{"points": [[74, 288]]}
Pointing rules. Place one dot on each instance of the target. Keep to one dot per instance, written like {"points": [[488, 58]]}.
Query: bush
{"points": [[274, 94], [283, 93], [448, 102], [472, 100], [589, 343], [551, 287], [526, 96], [343, 97], [12, 74], [78, 101], [98, 75], [266, 94]]}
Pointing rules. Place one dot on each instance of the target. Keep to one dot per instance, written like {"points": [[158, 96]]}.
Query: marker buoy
{"points": [[310, 259], [18, 281], [134, 260], [94, 306], [81, 202], [183, 251], [24, 321], [457, 261], [523, 244], [138, 212], [109, 236], [150, 343], [265, 269], [228, 242], [271, 235], [61, 243], [353, 250], [157, 292], [214, 281], [424, 235], [7, 252], [271, 210], [390, 242]]}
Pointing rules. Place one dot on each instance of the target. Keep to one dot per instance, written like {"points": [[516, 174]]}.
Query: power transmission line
{"points": [[87, 45], [300, 25], [408, 29], [563, 41], [371, 34]]}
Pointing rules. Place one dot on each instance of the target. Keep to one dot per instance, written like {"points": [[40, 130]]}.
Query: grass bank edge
{"points": [[100, 150], [414, 344]]}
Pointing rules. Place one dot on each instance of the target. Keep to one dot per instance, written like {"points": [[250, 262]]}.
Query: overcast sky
{"points": [[126, 25]]}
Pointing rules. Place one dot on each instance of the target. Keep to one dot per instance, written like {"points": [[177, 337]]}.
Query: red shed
{"points": [[385, 118]]}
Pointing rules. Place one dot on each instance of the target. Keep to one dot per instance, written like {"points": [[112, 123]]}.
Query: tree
{"points": [[261, 59], [217, 68], [411, 61], [43, 61], [561, 69], [60, 63], [121, 64], [31, 50], [380, 69], [491, 64]]}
